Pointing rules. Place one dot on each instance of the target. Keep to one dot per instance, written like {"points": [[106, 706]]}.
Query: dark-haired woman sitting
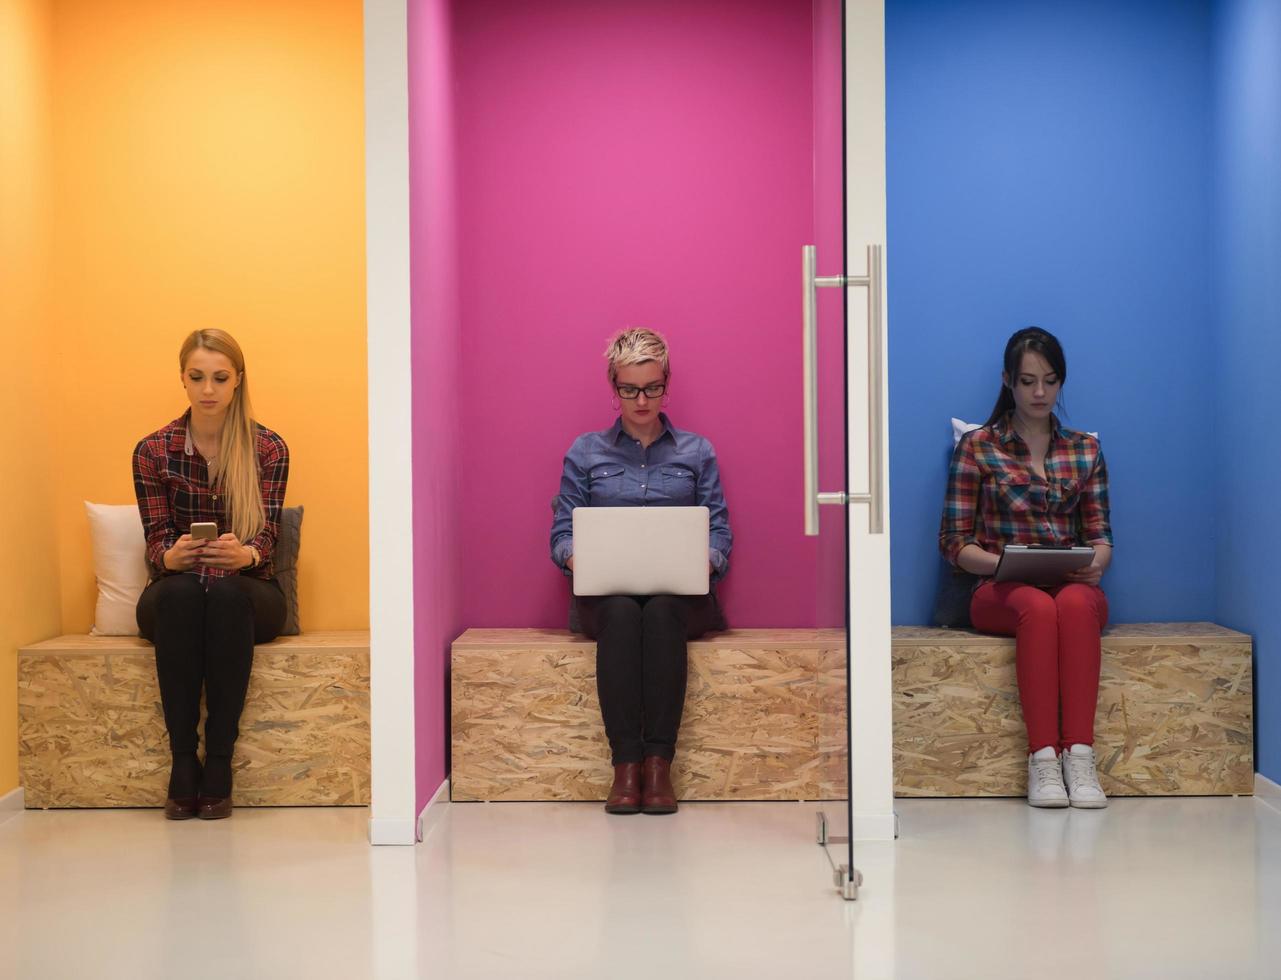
{"points": [[1025, 479]]}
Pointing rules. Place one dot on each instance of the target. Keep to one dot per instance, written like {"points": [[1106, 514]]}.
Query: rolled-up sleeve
{"points": [[1096, 524], [960, 506], [153, 508], [710, 495], [573, 493]]}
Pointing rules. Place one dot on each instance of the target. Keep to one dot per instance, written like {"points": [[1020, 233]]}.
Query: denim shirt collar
{"points": [[617, 431]]}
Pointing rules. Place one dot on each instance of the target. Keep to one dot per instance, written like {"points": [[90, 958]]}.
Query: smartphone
{"points": [[206, 531]]}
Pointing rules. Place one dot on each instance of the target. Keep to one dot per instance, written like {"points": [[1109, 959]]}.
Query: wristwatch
{"points": [[257, 558]]}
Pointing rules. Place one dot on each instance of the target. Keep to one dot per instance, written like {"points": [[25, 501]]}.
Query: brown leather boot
{"points": [[657, 795], [625, 794]]}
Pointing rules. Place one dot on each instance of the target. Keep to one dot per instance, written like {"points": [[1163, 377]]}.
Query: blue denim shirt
{"points": [[611, 469]]}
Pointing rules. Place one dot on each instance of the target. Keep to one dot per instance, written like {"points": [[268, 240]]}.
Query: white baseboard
{"points": [[875, 826], [15, 799], [393, 832], [412, 831], [433, 811], [1267, 792]]}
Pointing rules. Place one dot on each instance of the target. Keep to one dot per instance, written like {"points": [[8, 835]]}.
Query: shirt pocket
{"points": [[184, 497], [605, 484], [678, 484], [1017, 493], [1065, 495]]}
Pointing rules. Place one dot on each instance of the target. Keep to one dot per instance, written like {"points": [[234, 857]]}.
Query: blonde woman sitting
{"points": [[209, 600], [642, 460]]}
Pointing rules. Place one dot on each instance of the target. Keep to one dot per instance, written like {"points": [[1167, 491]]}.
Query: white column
{"points": [[871, 695], [391, 506]]}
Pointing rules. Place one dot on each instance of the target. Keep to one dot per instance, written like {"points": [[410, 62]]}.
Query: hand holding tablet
{"points": [[1037, 565]]}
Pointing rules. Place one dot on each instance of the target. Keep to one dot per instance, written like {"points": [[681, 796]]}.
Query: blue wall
{"points": [[1049, 164], [1248, 343]]}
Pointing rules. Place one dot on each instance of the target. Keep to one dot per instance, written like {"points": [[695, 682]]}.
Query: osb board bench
{"points": [[764, 717], [1174, 715], [91, 732]]}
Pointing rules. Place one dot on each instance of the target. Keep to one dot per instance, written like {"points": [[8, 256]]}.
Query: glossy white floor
{"points": [[985, 889]]}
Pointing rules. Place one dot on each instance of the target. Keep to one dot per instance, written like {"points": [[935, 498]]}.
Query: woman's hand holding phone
{"points": [[226, 552], [182, 557]]}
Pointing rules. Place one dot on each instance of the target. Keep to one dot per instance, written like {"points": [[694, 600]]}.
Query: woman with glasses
{"points": [[642, 460]]}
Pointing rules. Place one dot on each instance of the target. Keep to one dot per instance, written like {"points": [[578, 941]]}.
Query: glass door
{"points": [[845, 429]]}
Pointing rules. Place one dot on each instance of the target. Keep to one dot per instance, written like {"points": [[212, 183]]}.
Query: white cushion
{"points": [[959, 429], [120, 564]]}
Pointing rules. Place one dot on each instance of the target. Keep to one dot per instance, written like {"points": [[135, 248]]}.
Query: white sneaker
{"points": [[1045, 781], [1081, 779]]}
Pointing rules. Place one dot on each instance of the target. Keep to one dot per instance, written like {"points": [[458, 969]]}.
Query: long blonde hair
{"points": [[234, 472]]}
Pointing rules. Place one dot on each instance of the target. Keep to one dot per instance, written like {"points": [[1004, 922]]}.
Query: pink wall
{"points": [[436, 364], [829, 234], [623, 164]]}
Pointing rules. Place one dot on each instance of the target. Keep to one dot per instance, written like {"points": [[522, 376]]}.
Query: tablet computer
{"points": [[1038, 565]]}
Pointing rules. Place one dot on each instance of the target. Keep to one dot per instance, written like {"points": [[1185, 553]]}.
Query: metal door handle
{"points": [[810, 281]]}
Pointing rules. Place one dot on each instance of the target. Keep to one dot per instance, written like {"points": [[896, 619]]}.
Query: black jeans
{"points": [[206, 638], [641, 666]]}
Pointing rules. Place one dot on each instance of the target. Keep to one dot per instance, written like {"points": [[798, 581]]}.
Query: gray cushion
{"points": [[952, 602], [285, 560]]}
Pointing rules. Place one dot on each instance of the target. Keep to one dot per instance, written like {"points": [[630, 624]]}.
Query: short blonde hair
{"points": [[635, 345]]}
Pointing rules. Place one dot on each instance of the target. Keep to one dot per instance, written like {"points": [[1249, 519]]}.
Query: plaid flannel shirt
{"points": [[171, 481], [994, 498]]}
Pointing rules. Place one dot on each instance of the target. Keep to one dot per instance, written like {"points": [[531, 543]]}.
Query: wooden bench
{"points": [[91, 732], [1174, 715], [764, 717]]}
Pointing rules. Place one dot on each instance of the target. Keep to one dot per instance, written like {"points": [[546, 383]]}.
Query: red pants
{"points": [[1057, 652]]}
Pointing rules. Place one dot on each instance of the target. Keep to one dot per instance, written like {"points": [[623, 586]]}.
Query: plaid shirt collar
{"points": [[1006, 433], [180, 440]]}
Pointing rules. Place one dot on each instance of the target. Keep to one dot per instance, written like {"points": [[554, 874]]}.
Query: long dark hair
{"points": [[1037, 341]]}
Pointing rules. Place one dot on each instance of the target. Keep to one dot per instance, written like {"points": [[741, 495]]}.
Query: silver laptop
{"points": [[640, 550]]}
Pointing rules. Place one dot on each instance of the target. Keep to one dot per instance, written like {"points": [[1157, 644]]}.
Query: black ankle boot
{"points": [[184, 786], [214, 802]]}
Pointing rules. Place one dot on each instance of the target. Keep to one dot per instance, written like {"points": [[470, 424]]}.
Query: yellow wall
{"points": [[28, 555], [209, 171]]}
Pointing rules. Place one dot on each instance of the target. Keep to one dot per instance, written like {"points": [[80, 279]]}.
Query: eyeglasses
{"points": [[631, 392]]}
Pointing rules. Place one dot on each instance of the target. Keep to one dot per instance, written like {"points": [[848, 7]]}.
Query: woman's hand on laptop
{"points": [[569, 563]]}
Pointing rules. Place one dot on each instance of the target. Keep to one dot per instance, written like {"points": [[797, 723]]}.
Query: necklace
{"points": [[208, 457]]}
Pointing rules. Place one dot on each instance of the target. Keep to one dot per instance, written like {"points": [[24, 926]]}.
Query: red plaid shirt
{"points": [[994, 498], [172, 484]]}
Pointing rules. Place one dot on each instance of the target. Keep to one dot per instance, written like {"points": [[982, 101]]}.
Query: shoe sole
{"points": [[1048, 804], [658, 811], [1101, 805], [621, 809]]}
